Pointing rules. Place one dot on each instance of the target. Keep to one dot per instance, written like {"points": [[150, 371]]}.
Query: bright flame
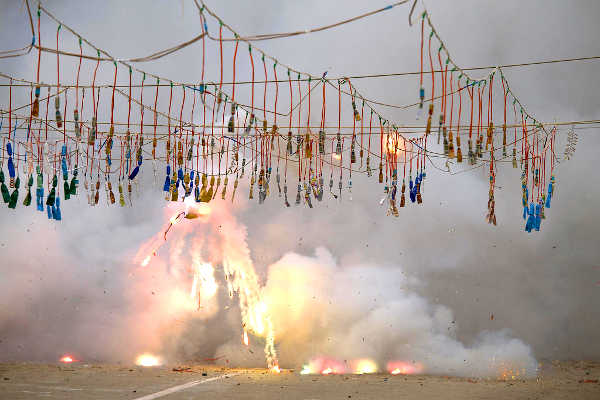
{"points": [[66, 359], [275, 369], [204, 285], [395, 146], [404, 368], [325, 366], [246, 342], [364, 366], [147, 360]]}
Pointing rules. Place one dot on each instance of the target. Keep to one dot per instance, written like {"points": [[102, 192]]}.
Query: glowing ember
{"points": [[364, 366], [147, 360], [403, 368], [177, 217], [67, 359], [246, 342], [195, 210], [146, 261]]}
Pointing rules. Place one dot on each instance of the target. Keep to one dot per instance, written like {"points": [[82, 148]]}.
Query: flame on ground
{"points": [[67, 359], [147, 360], [404, 368], [324, 366], [364, 366]]}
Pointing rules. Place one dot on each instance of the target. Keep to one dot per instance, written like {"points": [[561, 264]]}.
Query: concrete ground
{"points": [[564, 380]]}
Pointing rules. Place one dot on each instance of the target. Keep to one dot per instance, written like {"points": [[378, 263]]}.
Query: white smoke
{"points": [[320, 308]]}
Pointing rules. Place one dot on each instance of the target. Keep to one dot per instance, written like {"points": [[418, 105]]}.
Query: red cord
{"points": [[432, 72], [112, 101], [422, 32], [39, 48]]}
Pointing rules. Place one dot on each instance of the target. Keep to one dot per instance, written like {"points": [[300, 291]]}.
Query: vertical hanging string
{"points": [[129, 102], [432, 70], [322, 139], [504, 120], [237, 137], [275, 128], [299, 149], [479, 118], [168, 152], [234, 58], [191, 148], [362, 119], [94, 86], [35, 109], [181, 112], [442, 105], [9, 111], [369, 144], [450, 135], [112, 100], [57, 100], [422, 90], [39, 45], [140, 136], [264, 135], [78, 70], [515, 136], [249, 128], [289, 146], [57, 63], [46, 123], [458, 126]]}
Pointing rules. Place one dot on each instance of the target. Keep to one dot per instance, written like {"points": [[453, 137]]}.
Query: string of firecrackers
{"points": [[204, 8], [491, 217], [262, 184]]}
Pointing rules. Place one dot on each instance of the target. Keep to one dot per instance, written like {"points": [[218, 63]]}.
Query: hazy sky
{"points": [[544, 286]]}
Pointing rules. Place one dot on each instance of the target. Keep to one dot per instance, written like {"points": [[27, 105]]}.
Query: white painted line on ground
{"points": [[183, 387]]}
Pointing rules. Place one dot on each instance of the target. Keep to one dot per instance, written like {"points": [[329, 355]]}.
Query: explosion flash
{"points": [[67, 359], [222, 249], [147, 360]]}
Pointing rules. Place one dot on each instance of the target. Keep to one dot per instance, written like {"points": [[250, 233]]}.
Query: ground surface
{"points": [[565, 380]]}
